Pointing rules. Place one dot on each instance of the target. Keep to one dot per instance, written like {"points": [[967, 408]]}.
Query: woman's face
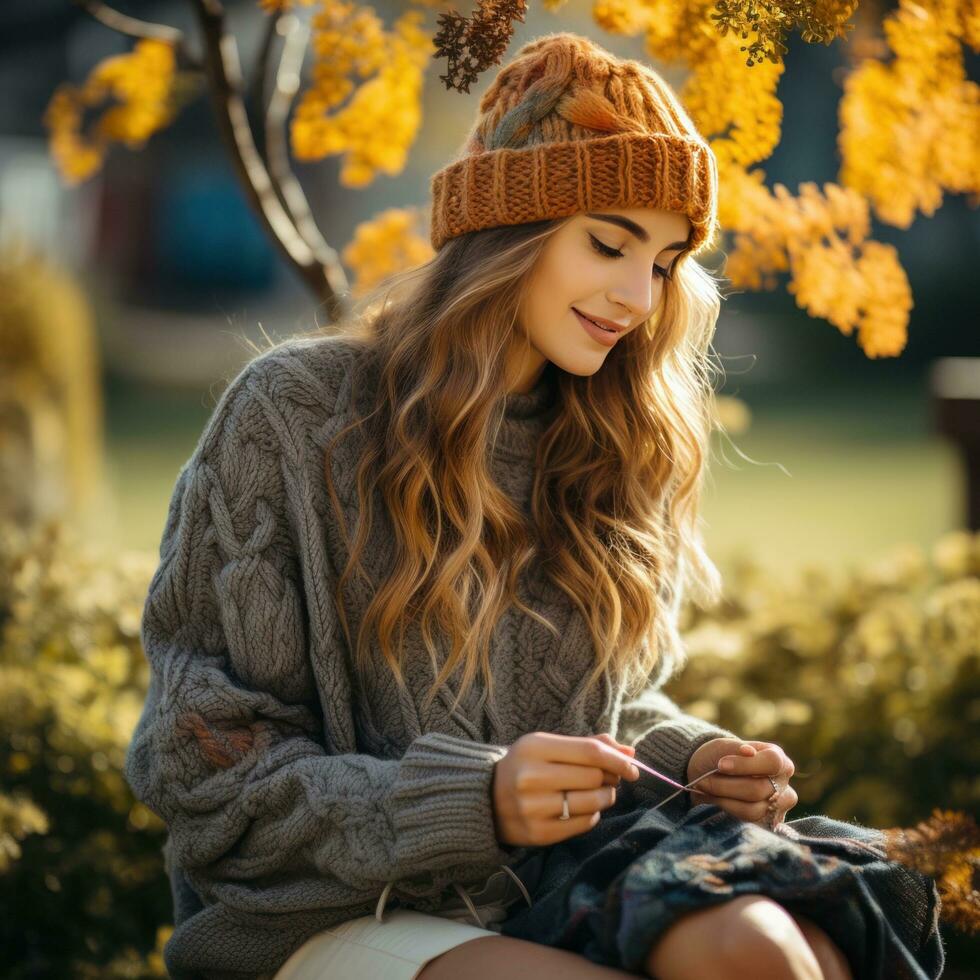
{"points": [[602, 268]]}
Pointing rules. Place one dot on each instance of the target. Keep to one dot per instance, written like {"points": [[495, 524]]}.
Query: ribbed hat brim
{"points": [[513, 186]]}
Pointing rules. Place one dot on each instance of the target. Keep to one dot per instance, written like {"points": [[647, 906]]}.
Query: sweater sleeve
{"points": [[230, 749]]}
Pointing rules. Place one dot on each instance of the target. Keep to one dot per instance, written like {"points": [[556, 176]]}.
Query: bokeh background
{"points": [[837, 507]]}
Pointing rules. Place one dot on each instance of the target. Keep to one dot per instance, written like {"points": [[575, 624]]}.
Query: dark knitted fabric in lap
{"points": [[610, 893]]}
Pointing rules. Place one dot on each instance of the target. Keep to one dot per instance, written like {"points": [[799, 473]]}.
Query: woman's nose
{"points": [[638, 301]]}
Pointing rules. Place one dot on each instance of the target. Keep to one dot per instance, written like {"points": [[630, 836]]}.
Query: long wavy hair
{"points": [[618, 473]]}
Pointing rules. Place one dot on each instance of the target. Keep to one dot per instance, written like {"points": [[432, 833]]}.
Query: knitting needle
{"points": [[667, 779]]}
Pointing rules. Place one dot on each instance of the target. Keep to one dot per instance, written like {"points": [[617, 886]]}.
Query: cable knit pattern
{"points": [[293, 790]]}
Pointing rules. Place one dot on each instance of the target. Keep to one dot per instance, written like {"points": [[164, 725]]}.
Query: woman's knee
{"points": [[759, 937], [746, 937]]}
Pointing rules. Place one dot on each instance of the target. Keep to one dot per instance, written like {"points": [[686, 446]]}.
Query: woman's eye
{"points": [[615, 253], [604, 249]]}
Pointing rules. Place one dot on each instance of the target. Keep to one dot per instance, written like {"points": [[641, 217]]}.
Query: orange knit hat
{"points": [[565, 127]]}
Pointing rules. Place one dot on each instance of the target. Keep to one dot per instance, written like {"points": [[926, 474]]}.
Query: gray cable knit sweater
{"points": [[294, 791]]}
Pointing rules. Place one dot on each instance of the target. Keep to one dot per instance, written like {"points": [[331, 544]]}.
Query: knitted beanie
{"points": [[565, 127]]}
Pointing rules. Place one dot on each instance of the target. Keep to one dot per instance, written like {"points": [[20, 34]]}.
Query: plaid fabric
{"points": [[610, 893]]}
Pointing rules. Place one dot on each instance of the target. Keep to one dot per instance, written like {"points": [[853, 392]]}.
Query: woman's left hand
{"points": [[744, 791]]}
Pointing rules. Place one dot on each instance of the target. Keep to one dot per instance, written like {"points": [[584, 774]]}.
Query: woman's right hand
{"points": [[528, 783]]}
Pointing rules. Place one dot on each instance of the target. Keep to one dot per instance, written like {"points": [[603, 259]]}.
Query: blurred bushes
{"points": [[82, 871], [868, 679], [50, 391]]}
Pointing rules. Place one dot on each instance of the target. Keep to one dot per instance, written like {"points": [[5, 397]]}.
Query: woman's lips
{"points": [[594, 331]]}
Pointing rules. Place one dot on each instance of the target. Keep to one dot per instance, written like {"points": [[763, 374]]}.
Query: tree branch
{"points": [[257, 96], [287, 187], [132, 27], [325, 278]]}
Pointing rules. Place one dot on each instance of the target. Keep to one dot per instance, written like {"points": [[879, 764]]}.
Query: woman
{"points": [[416, 576]]}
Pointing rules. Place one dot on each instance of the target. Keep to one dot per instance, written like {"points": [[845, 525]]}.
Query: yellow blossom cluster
{"points": [[141, 85], [969, 14], [388, 243], [733, 105], [764, 26], [909, 129], [616, 16], [377, 125], [735, 108], [821, 239], [861, 287]]}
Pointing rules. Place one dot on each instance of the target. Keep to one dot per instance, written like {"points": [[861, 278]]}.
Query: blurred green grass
{"points": [[838, 475], [831, 476]]}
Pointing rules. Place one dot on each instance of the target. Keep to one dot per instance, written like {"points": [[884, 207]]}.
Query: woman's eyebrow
{"points": [[632, 227]]}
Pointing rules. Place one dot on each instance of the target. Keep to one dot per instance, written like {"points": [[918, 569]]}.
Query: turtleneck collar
{"points": [[525, 417]]}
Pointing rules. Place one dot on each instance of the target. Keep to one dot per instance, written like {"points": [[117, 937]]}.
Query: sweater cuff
{"points": [[668, 748], [442, 808]]}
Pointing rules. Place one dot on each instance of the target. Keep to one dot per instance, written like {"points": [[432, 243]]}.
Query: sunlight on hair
{"points": [[618, 474]]}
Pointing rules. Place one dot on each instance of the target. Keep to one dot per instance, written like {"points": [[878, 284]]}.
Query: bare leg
{"points": [[748, 937], [493, 957], [742, 939], [832, 960]]}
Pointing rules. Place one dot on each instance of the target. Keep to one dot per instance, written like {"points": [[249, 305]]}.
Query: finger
{"points": [[585, 751], [559, 830], [777, 809], [766, 762], [788, 766], [749, 812], [621, 746], [558, 776], [581, 802], [751, 789], [787, 800]]}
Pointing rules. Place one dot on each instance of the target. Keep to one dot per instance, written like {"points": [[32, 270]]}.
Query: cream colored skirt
{"points": [[400, 946], [365, 949]]}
